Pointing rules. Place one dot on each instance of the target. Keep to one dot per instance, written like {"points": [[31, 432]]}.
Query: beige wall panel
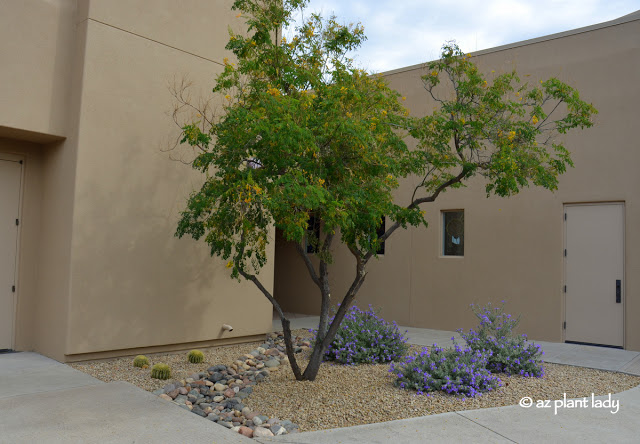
{"points": [[133, 283], [513, 249], [513, 246], [508, 256], [37, 50], [56, 211], [58, 198], [196, 26]]}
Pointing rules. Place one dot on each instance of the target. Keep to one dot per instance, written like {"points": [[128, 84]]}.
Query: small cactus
{"points": [[195, 356], [161, 371], [141, 361]]}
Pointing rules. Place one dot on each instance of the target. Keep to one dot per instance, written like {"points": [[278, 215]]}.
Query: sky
{"points": [[409, 32]]}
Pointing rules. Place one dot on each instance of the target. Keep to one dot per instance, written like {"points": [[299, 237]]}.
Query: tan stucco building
{"points": [[513, 249], [93, 268], [89, 198]]}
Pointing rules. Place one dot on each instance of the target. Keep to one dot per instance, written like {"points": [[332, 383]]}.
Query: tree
{"points": [[306, 135]]}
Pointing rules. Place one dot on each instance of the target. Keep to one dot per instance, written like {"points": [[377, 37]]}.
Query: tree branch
{"points": [[346, 301], [307, 260], [286, 324], [414, 204]]}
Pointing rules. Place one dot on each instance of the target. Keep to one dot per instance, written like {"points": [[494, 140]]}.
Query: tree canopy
{"points": [[306, 134]]}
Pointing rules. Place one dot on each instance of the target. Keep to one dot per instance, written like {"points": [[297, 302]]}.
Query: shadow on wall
{"points": [[292, 279]]}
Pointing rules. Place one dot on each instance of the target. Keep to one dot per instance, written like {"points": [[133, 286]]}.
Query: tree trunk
{"points": [[321, 344], [288, 343], [313, 367]]}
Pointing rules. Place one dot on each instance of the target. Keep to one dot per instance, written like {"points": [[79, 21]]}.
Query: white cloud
{"points": [[409, 32]]}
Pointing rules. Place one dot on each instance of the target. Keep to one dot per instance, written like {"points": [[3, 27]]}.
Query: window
{"points": [[453, 233], [313, 235], [380, 232]]}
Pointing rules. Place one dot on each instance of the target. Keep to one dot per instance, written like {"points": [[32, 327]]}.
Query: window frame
{"points": [[443, 233]]}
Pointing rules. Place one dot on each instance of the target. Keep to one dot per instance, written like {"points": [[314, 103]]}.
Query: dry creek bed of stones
{"points": [[254, 391]]}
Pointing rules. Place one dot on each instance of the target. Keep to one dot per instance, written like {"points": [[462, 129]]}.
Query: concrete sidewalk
{"points": [[495, 425], [42, 400]]}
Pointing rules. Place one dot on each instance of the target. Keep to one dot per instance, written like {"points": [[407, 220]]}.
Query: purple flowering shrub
{"points": [[455, 371], [507, 352], [366, 338]]}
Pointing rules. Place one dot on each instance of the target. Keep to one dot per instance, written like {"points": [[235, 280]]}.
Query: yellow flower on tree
{"points": [[278, 133]]}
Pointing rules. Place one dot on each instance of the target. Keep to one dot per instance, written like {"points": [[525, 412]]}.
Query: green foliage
{"points": [[160, 371], [141, 361], [496, 127], [325, 135], [306, 133], [507, 352], [451, 370], [195, 356]]}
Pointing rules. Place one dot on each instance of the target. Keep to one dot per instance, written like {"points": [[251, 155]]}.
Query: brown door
{"points": [[594, 273], [10, 172]]}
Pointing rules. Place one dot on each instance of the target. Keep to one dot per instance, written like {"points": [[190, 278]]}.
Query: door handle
{"points": [[618, 291]]}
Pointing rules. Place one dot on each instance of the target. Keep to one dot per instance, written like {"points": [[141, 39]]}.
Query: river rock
{"points": [[261, 432]]}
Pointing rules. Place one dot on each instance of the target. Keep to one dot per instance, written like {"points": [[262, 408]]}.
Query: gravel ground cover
{"points": [[345, 396], [122, 369]]}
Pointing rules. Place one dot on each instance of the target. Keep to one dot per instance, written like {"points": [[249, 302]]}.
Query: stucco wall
{"points": [[36, 51], [513, 246], [193, 27], [133, 284], [41, 46], [100, 271]]}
